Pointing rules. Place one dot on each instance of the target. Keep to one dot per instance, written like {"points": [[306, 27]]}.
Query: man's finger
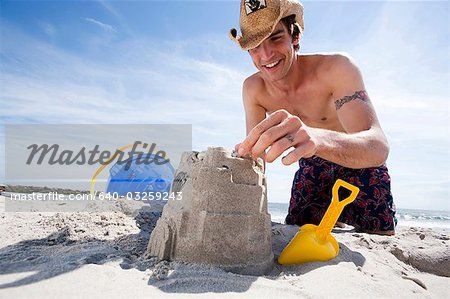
{"points": [[287, 128], [272, 120], [305, 150], [279, 147], [279, 138]]}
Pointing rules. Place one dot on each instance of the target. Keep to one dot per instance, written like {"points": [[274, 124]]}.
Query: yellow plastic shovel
{"points": [[315, 243]]}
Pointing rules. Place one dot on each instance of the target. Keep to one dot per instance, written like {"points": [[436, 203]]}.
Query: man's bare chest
{"points": [[315, 109]]}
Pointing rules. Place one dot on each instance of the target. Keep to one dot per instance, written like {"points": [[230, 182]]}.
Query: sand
{"points": [[101, 254]]}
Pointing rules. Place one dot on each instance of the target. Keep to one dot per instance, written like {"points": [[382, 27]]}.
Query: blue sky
{"points": [[172, 62]]}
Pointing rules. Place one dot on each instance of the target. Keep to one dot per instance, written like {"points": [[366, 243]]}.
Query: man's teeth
{"points": [[272, 64]]}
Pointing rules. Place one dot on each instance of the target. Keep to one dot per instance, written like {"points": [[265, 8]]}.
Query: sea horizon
{"points": [[405, 217]]}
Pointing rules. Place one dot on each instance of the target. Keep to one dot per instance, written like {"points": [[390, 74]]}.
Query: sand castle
{"points": [[222, 218]]}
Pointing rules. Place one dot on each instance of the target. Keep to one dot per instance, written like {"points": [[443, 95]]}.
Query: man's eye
{"points": [[275, 38]]}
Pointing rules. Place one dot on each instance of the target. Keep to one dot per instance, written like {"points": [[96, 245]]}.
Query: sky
{"points": [[171, 62]]}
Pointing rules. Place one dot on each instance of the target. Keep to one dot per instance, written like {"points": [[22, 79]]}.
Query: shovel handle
{"points": [[335, 209], [353, 189]]}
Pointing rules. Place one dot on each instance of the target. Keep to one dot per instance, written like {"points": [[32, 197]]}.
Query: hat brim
{"points": [[248, 43]]}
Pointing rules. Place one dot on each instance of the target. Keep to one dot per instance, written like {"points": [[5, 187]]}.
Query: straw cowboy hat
{"points": [[259, 17]]}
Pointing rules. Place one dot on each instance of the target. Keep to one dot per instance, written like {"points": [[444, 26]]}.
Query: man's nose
{"points": [[265, 52]]}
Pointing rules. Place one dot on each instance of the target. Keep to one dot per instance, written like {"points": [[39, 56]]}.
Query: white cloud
{"points": [[47, 28], [103, 26], [139, 83], [407, 74], [122, 24]]}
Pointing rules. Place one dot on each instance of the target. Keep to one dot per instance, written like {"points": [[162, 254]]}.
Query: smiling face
{"points": [[275, 55]]}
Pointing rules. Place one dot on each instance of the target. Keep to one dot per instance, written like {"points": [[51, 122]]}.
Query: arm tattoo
{"points": [[362, 95]]}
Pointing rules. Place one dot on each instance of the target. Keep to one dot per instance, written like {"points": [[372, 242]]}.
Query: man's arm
{"points": [[363, 144], [254, 113]]}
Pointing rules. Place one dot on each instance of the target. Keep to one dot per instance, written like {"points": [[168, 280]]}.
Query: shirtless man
{"points": [[315, 107]]}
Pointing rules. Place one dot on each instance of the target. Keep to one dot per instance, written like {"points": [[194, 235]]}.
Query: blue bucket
{"points": [[129, 177]]}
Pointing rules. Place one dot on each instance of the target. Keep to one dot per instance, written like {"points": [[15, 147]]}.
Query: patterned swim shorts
{"points": [[372, 210]]}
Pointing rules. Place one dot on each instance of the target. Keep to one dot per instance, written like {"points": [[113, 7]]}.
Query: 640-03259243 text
{"points": [[55, 196]]}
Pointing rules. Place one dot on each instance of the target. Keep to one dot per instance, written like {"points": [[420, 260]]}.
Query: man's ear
{"points": [[296, 30], [296, 40]]}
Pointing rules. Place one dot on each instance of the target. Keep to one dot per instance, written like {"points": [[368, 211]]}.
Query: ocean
{"points": [[406, 217]]}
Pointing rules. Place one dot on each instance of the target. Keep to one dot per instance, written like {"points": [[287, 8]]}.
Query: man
{"points": [[315, 106]]}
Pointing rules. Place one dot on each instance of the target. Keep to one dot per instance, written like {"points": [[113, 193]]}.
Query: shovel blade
{"points": [[307, 247]]}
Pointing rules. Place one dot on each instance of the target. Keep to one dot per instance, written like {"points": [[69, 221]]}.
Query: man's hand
{"points": [[279, 131]]}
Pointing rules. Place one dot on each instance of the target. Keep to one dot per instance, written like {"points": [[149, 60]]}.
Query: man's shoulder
{"points": [[335, 68], [252, 86], [326, 62], [253, 81]]}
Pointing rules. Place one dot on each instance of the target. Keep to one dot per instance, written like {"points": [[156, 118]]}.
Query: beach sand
{"points": [[100, 254]]}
